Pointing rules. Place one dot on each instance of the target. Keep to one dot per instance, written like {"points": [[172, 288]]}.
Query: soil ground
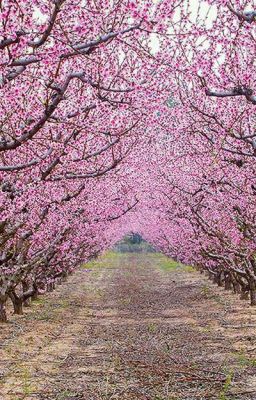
{"points": [[131, 327]]}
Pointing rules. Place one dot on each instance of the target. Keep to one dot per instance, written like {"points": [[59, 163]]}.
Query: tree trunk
{"points": [[35, 295], [219, 279], [17, 303], [237, 287], [244, 294], [228, 282], [17, 307], [3, 315], [252, 286], [212, 277], [244, 288], [50, 287], [25, 288], [65, 277]]}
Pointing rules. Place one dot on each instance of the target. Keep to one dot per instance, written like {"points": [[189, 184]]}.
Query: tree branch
{"points": [[27, 135], [239, 91], [247, 16], [26, 165], [87, 48], [124, 212], [39, 42]]}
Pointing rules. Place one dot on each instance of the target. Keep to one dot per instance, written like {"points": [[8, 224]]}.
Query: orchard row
{"points": [[120, 116]]}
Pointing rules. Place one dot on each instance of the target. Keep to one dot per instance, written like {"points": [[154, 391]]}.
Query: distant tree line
{"points": [[133, 243]]}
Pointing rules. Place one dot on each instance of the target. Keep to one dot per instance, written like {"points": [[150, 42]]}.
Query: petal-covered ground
{"points": [[131, 327]]}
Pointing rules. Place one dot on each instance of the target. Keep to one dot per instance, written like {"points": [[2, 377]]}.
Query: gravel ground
{"points": [[129, 329]]}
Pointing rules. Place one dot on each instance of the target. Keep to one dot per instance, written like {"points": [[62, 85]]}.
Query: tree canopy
{"points": [[121, 116]]}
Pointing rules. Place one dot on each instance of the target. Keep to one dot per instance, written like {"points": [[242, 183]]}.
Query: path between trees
{"points": [[131, 326]]}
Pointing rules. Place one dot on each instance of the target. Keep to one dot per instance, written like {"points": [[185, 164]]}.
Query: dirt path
{"points": [[131, 327]]}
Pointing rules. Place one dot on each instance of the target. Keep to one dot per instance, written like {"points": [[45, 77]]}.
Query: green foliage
{"points": [[133, 243]]}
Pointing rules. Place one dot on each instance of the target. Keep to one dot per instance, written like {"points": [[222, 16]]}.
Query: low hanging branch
{"points": [[80, 49], [237, 91], [29, 164]]}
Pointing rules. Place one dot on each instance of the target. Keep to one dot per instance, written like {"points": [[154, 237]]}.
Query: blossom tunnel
{"points": [[124, 116]]}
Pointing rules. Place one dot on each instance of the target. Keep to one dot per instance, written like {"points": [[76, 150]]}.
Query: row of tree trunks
{"points": [[245, 286], [26, 294]]}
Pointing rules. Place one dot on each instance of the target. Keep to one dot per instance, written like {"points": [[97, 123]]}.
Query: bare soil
{"points": [[129, 329]]}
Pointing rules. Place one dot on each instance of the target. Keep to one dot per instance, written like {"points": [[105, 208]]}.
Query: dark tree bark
{"points": [[18, 300], [252, 287], [50, 287], [227, 280], [218, 278], [17, 303], [3, 315], [244, 294], [35, 294], [236, 287], [25, 288]]}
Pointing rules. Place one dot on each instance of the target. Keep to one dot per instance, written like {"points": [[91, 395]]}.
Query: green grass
{"points": [[112, 258], [27, 388], [66, 394], [108, 258], [245, 361], [39, 300], [152, 327], [188, 268], [226, 386], [168, 264]]}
